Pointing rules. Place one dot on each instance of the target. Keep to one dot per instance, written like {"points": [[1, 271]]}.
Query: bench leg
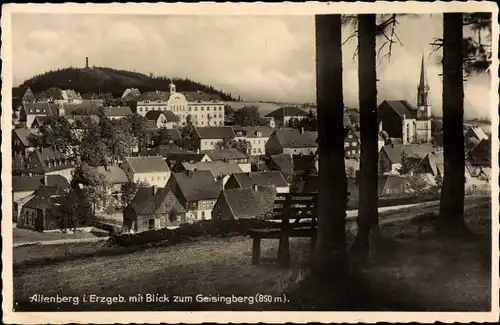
{"points": [[256, 251], [284, 251]]}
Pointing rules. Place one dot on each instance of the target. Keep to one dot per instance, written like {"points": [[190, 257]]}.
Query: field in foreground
{"points": [[416, 270]]}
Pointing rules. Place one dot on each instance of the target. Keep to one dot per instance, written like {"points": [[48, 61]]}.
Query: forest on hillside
{"points": [[98, 80]]}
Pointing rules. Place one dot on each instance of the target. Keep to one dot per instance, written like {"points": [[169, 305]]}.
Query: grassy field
{"points": [[417, 270]]}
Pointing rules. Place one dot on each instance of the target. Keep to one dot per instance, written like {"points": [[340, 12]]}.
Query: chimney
{"points": [[45, 181], [197, 150], [86, 62], [302, 130], [255, 187], [380, 126], [154, 188], [189, 173]]}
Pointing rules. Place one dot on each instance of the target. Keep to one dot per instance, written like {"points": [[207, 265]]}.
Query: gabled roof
{"points": [[41, 158], [287, 111], [481, 154], [130, 93], [45, 197], [32, 183], [284, 162], [225, 154], [210, 132], [418, 151], [147, 164], [151, 200], [19, 92], [24, 134], [402, 107], [193, 96], [183, 156], [41, 120], [155, 115], [114, 174], [256, 131], [292, 138], [392, 182], [261, 178], [44, 108], [153, 96], [312, 134], [477, 132], [246, 203], [117, 111], [217, 168], [197, 185], [303, 162]]}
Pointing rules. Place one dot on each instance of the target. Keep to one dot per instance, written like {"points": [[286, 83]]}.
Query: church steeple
{"points": [[424, 84], [423, 94], [172, 87]]}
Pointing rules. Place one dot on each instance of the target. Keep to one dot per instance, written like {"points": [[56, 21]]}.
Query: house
{"points": [[175, 159], [152, 170], [40, 121], [205, 109], [230, 155], [48, 161], [153, 208], [117, 112], [29, 111], [163, 119], [275, 178], [244, 203], [220, 170], [40, 212], [283, 115], [290, 141], [257, 136], [390, 155], [149, 101], [282, 163], [432, 163], [22, 95], [24, 187], [352, 144], [21, 141], [197, 191], [71, 96], [206, 138], [115, 177], [130, 93]]}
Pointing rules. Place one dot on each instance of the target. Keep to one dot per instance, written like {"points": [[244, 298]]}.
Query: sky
{"points": [[268, 58]]}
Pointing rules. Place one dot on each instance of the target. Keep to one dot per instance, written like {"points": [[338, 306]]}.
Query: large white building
{"points": [[204, 109]]}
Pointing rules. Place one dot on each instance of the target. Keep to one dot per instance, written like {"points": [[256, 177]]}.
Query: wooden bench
{"points": [[289, 206]]}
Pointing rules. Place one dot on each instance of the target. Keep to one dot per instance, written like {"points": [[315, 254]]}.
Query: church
{"points": [[404, 123]]}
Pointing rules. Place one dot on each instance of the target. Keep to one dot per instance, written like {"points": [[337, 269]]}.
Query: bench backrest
{"points": [[295, 205]]}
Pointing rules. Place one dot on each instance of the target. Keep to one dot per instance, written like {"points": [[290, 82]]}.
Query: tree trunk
{"points": [[368, 174], [451, 209], [330, 260]]}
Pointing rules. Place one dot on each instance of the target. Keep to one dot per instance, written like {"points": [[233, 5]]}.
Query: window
{"points": [[220, 108], [158, 178], [203, 215], [196, 109], [353, 144], [202, 108], [350, 136], [346, 144], [259, 150], [254, 150]]}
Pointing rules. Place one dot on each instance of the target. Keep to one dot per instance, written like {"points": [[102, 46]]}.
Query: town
{"points": [[165, 157]]}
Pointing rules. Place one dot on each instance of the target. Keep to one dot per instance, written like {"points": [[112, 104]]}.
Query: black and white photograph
{"points": [[166, 157]]}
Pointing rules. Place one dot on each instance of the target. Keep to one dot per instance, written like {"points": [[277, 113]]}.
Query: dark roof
{"points": [[303, 162], [41, 119], [246, 203], [114, 174], [253, 131], [151, 200], [287, 111], [217, 168], [155, 115], [24, 134], [151, 96], [402, 107], [44, 198], [44, 108], [197, 185], [260, 178], [41, 158], [292, 138], [210, 132], [312, 134], [32, 183], [412, 150], [117, 111], [192, 96], [225, 154], [284, 162], [481, 154], [147, 164]]}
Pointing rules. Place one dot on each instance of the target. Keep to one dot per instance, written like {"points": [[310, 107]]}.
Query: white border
{"points": [[309, 8]]}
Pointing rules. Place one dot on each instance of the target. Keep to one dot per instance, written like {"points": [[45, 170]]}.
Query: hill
{"points": [[107, 80]]}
